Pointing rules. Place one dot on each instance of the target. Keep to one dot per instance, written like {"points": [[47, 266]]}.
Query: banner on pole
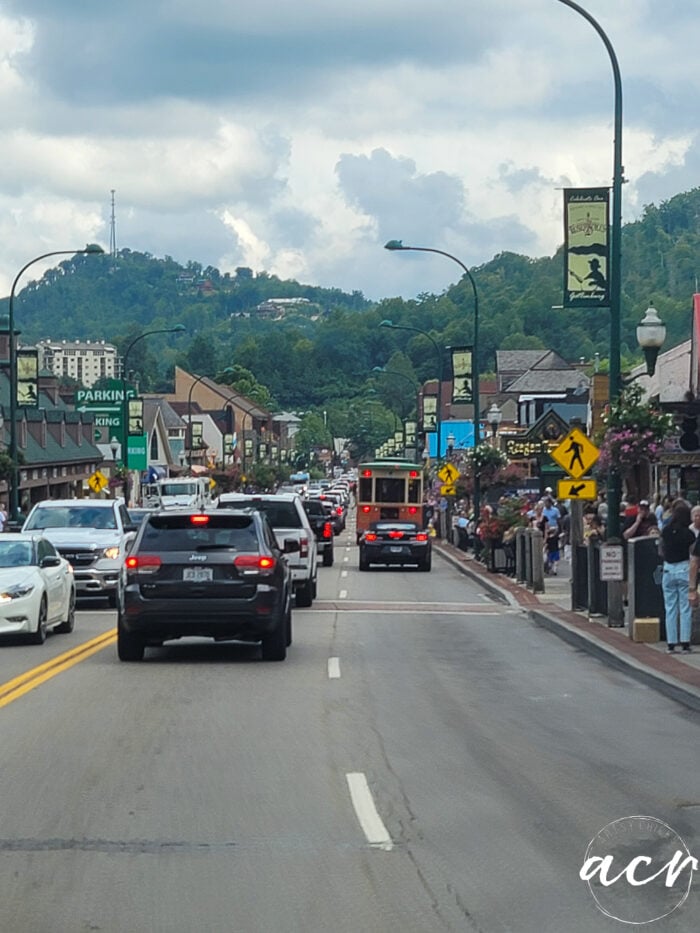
{"points": [[462, 376], [430, 413], [586, 247]]}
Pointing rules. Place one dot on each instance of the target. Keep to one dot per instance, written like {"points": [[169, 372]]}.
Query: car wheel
{"points": [[68, 624], [289, 624], [274, 645], [425, 563], [364, 562], [39, 637], [328, 557], [129, 647], [305, 594]]}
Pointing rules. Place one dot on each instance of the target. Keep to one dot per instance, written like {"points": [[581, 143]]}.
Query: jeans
{"points": [[675, 589]]}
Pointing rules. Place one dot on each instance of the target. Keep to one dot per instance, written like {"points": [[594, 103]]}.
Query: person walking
{"points": [[676, 542]]}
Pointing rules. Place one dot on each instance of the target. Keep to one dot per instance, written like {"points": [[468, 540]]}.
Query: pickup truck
{"points": [[322, 528]]}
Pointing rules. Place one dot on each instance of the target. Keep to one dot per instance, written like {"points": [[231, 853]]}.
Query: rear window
{"points": [[395, 526], [314, 508], [280, 514], [178, 533]]}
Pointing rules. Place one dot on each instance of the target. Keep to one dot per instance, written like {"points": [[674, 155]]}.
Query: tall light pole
{"points": [[178, 329], [397, 246], [14, 485], [615, 382], [227, 371], [417, 330]]}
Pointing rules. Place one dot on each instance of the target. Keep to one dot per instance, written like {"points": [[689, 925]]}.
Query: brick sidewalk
{"points": [[674, 675]]}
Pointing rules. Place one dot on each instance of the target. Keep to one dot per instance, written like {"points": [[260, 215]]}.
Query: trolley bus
{"points": [[388, 490]]}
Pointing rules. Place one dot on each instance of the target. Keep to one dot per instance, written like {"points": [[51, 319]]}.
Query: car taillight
{"points": [[199, 519], [421, 536], [396, 534], [255, 563], [339, 511], [370, 536], [366, 508], [144, 563], [327, 530], [303, 547]]}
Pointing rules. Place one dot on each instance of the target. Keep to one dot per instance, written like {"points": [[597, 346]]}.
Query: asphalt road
{"points": [[426, 759]]}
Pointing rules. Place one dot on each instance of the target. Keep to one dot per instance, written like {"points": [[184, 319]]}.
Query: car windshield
{"points": [[16, 554], [178, 489], [181, 533], [70, 517]]}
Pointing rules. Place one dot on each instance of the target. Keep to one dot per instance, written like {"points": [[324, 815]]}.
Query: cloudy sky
{"points": [[297, 138]]}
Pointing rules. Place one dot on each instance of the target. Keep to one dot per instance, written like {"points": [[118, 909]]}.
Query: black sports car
{"points": [[395, 542]]}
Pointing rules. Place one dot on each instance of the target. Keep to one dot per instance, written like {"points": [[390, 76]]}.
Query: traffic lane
{"points": [[496, 753], [441, 585], [197, 790], [92, 618]]}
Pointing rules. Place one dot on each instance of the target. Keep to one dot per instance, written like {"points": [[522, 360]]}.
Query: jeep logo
{"points": [[198, 556]]}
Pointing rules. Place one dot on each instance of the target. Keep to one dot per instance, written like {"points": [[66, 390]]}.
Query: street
{"points": [[426, 759]]}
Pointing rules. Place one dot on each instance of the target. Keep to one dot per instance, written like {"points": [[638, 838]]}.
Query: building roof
{"points": [[547, 381]]}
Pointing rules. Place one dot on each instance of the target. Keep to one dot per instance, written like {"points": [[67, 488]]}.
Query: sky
{"points": [[296, 139]]}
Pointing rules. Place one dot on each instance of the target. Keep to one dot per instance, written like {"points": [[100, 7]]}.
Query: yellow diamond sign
{"points": [[97, 481], [448, 474], [575, 454]]}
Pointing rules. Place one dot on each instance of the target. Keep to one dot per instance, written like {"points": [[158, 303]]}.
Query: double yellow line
{"points": [[18, 686]]}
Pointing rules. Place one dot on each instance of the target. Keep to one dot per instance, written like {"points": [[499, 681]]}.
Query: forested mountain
{"points": [[324, 349]]}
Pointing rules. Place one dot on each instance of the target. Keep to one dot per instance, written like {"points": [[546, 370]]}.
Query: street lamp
{"points": [[440, 370], [651, 333], [397, 246], [14, 485], [178, 329], [450, 445], [114, 447], [494, 416], [614, 492], [227, 371]]}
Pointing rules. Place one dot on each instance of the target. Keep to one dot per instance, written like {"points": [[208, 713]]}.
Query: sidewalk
{"points": [[675, 675]]}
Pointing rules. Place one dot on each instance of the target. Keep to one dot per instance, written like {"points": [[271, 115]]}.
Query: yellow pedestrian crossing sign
{"points": [[575, 454], [577, 489], [448, 490], [97, 481], [448, 474]]}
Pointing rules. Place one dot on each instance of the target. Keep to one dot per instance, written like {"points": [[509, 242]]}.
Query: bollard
{"points": [[537, 559], [528, 557], [520, 548]]}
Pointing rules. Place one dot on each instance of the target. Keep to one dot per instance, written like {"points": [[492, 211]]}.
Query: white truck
{"points": [[181, 492]]}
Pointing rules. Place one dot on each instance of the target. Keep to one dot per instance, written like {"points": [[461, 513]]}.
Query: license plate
{"points": [[197, 574], [396, 550]]}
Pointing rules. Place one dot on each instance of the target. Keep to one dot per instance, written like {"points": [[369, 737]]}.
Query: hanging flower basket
{"points": [[485, 461], [634, 434]]}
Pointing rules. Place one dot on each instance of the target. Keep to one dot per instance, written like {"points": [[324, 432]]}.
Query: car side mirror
{"points": [[291, 545], [131, 527], [50, 561]]}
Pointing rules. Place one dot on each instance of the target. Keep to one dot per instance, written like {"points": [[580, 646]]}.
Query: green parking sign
{"points": [[136, 447]]}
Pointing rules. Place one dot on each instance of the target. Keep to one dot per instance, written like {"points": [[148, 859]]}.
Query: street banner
{"points": [[430, 413], [135, 415], [196, 435], [410, 427], [248, 447], [586, 247], [462, 376], [28, 378]]}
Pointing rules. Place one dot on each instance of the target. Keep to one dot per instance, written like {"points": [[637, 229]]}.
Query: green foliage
{"points": [[634, 432]]}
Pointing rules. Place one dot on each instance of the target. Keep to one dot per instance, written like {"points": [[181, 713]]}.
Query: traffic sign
{"points": [[611, 562], [448, 474], [576, 454], [449, 489], [577, 489], [97, 481]]}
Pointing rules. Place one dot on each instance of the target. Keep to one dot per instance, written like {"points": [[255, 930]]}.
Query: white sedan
{"points": [[37, 588]]}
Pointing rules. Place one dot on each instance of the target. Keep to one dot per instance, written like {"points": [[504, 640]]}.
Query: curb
{"points": [[619, 660]]}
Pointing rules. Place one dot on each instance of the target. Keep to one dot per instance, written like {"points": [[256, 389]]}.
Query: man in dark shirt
{"points": [[642, 524]]}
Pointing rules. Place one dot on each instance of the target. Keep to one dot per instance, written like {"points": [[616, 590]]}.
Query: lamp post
{"points": [[114, 447], [440, 370], [397, 246], [227, 371], [615, 383], [651, 333], [14, 485], [494, 416], [179, 328], [450, 445]]}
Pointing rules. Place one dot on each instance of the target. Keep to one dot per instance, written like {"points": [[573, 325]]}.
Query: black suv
{"points": [[219, 574]]}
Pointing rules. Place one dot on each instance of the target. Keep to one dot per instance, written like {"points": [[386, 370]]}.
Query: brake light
{"points": [[396, 534], [412, 510], [339, 511], [421, 536], [144, 563], [370, 536], [255, 563], [327, 530], [199, 519], [303, 547], [366, 508]]}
